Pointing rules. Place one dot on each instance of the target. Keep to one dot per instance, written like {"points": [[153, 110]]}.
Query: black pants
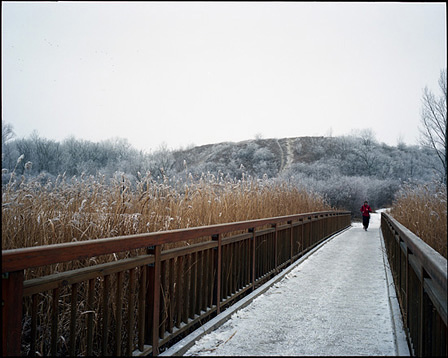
{"points": [[365, 221]]}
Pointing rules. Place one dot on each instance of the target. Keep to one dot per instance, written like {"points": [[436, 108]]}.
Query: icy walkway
{"points": [[338, 301]]}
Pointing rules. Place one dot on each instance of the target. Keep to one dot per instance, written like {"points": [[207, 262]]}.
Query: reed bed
{"points": [[37, 211], [423, 210]]}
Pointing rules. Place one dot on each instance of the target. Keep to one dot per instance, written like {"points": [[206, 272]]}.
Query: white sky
{"points": [[184, 73]]}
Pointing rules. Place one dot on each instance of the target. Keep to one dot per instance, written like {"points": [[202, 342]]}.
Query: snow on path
{"points": [[289, 154], [334, 303]]}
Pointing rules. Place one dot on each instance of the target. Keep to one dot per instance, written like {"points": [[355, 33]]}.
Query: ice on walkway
{"points": [[334, 303]]}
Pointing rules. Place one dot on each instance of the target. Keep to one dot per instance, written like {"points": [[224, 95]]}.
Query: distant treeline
{"points": [[346, 170]]}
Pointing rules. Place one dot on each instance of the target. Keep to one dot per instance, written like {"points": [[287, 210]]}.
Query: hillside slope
{"points": [[257, 157]]}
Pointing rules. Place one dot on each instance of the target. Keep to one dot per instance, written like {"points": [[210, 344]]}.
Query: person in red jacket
{"points": [[366, 210]]}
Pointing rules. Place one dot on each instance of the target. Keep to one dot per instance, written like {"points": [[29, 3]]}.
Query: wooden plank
{"points": [[131, 320], [208, 276], [187, 288], [119, 313], [246, 261], [291, 244], [253, 243], [238, 271], [225, 270], [141, 308], [172, 299], [234, 258], [199, 283], [90, 313], [217, 284], [194, 284], [73, 314], [33, 325], [12, 297], [156, 294], [230, 272], [105, 312], [54, 321], [302, 247], [179, 291], [163, 299]]}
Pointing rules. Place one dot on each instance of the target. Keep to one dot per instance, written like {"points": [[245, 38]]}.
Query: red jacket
{"points": [[365, 209]]}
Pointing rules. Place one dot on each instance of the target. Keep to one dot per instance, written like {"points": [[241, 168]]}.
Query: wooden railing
{"points": [[420, 277], [137, 305]]}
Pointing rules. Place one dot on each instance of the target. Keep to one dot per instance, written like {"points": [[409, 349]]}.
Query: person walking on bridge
{"points": [[366, 210]]}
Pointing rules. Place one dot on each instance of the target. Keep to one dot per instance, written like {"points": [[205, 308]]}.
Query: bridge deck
{"points": [[338, 301]]}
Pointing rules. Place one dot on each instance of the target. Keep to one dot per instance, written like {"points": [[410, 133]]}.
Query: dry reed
{"points": [[37, 212], [423, 210]]}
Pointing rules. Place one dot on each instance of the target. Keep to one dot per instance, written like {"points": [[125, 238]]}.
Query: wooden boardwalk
{"points": [[339, 300]]}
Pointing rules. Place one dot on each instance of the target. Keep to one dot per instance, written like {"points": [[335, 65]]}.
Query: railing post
{"points": [[154, 297], [12, 300], [218, 263], [275, 226], [290, 242], [253, 239], [425, 309], [407, 287], [310, 242], [302, 235]]}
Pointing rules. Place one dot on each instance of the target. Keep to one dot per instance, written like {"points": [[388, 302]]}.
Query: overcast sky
{"points": [[184, 73]]}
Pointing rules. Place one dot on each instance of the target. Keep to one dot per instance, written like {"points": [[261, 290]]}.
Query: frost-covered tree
{"points": [[162, 161], [7, 132], [7, 150], [47, 154], [433, 119]]}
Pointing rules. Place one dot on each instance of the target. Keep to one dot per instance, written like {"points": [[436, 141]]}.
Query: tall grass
{"points": [[423, 210], [37, 211], [44, 212]]}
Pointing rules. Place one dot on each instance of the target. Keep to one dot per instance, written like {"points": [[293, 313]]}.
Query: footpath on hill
{"points": [[338, 301]]}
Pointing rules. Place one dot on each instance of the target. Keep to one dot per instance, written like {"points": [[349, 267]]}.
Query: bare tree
{"points": [[162, 161], [433, 118], [7, 150], [7, 132]]}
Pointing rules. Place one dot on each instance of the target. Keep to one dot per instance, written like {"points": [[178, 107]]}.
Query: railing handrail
{"points": [[171, 291], [420, 278], [20, 259], [433, 262]]}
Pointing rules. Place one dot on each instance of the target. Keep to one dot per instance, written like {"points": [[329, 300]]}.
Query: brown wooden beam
{"points": [[12, 297], [19, 259]]}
